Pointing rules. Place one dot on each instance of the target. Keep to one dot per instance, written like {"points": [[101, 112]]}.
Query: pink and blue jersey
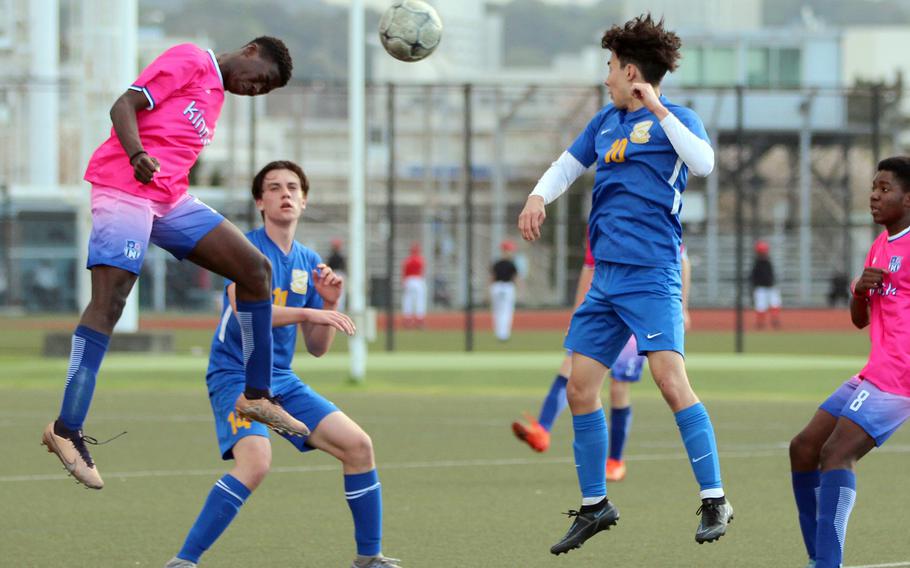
{"points": [[888, 367], [638, 185], [185, 93]]}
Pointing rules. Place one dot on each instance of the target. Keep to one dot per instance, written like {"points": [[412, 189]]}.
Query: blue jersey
{"points": [[638, 185], [291, 286]]}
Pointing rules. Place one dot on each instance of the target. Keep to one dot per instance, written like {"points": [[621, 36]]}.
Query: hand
{"points": [[328, 285], [531, 218], [145, 167], [871, 279], [687, 319], [331, 318], [645, 93]]}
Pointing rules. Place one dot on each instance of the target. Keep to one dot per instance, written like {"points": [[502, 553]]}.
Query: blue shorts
{"points": [[124, 224], [628, 300], [302, 402], [877, 412]]}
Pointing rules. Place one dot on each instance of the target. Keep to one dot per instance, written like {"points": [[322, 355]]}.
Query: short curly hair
{"points": [[274, 50], [646, 44], [899, 166]]}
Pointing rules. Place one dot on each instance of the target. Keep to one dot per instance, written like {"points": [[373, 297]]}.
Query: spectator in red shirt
{"points": [[414, 288]]}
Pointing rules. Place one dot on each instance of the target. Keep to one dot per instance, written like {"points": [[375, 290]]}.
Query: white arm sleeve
{"points": [[695, 152], [558, 177]]}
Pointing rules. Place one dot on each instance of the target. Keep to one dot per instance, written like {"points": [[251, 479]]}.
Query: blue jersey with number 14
{"points": [[638, 185], [292, 286]]}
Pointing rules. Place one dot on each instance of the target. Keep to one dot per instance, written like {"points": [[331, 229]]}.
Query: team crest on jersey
{"points": [[132, 250], [895, 264], [300, 280], [640, 134]]}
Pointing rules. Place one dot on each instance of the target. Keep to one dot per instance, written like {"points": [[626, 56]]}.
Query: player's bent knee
{"points": [[359, 452], [257, 277], [804, 451], [833, 456]]}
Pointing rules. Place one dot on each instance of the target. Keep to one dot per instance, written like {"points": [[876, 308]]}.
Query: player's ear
{"points": [[250, 50]]}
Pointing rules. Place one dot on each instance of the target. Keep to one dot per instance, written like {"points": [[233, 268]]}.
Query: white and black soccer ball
{"points": [[410, 30]]}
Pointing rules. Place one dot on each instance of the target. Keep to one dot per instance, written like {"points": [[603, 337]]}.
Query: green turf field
{"points": [[458, 489]]}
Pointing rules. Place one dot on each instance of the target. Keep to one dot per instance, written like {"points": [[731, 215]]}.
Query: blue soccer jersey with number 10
{"points": [[638, 185]]}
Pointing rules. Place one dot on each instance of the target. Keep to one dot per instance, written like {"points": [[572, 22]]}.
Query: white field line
{"points": [[435, 464], [891, 565]]}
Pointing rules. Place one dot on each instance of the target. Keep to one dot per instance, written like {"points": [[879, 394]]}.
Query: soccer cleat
{"points": [[586, 525], [179, 563], [616, 470], [716, 514], [378, 561], [267, 411], [70, 449], [532, 433]]}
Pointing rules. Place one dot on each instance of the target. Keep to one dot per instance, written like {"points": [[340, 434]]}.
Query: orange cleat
{"points": [[532, 433], [616, 470]]}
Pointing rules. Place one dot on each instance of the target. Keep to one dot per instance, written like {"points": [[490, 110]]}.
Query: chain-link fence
{"points": [[793, 169]]}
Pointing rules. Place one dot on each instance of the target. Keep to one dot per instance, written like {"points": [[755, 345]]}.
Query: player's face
{"points": [[282, 197], [888, 201], [618, 83], [251, 74]]}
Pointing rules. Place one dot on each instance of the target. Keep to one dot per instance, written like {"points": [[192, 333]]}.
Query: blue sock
{"points": [[590, 448], [805, 485], [256, 332], [698, 437], [221, 506], [620, 422], [364, 494], [554, 404], [89, 347], [836, 495]]}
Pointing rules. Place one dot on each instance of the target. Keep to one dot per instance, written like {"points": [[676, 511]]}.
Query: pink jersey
{"points": [[185, 92], [888, 367]]}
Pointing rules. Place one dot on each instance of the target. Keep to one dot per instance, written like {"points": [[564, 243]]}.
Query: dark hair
{"points": [[274, 50], [900, 167], [645, 43], [279, 165]]}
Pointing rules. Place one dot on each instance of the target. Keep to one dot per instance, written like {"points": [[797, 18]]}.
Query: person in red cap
{"points": [[504, 275], [765, 295], [414, 288]]}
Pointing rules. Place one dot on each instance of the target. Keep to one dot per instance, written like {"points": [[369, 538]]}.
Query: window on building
{"points": [[789, 67], [758, 67], [719, 67], [689, 70]]}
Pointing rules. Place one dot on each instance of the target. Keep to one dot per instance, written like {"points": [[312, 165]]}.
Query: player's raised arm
{"points": [[123, 117], [553, 183], [869, 281], [695, 151]]}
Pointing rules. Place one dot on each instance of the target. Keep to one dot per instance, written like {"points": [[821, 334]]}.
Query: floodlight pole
{"points": [[357, 206], [390, 213], [740, 253], [468, 173]]}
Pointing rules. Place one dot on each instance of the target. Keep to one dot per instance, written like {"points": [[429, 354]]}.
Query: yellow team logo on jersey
{"points": [[640, 134], [300, 279]]}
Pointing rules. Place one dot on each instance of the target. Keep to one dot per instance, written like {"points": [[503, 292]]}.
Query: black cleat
{"points": [[716, 514], [587, 523]]}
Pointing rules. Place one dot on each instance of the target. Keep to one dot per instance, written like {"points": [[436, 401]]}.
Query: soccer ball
{"points": [[410, 30]]}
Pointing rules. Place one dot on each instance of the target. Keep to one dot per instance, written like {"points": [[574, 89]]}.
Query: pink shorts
{"points": [[124, 224]]}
